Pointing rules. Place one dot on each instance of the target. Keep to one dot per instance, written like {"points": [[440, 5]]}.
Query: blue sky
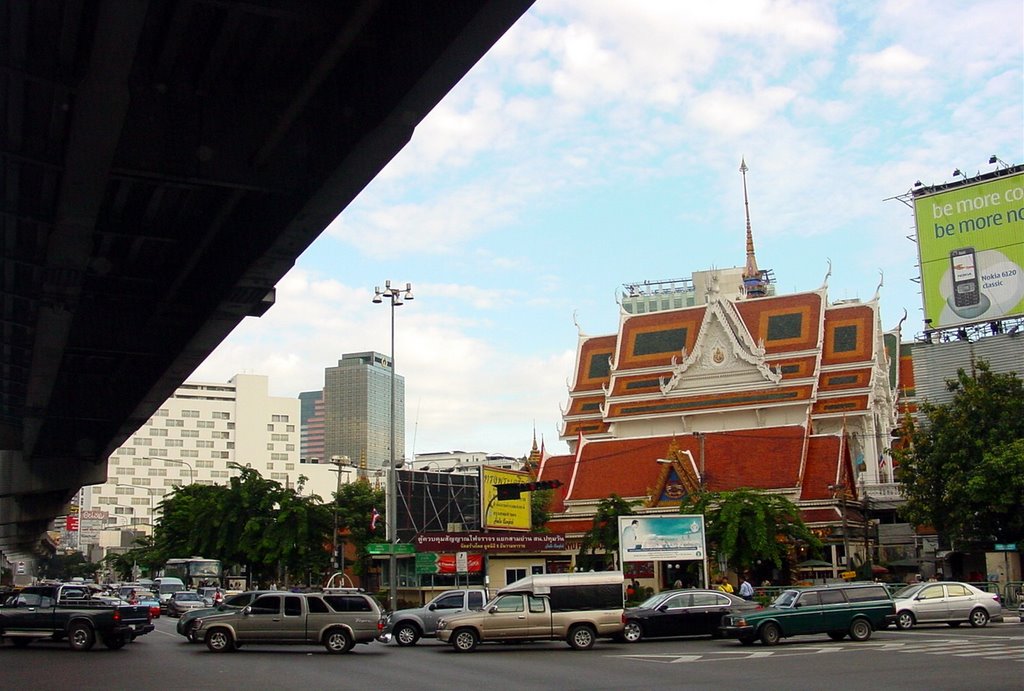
{"points": [[598, 143]]}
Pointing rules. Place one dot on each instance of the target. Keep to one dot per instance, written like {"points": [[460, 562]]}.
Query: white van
{"points": [[166, 586]]}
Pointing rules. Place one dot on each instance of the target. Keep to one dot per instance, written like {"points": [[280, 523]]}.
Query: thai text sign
{"points": [[509, 514], [489, 542]]}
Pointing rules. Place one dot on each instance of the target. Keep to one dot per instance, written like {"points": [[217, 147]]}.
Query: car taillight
{"points": [[117, 615], [380, 625], [623, 618]]}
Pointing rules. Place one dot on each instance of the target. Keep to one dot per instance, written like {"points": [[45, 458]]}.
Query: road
{"points": [[923, 658]]}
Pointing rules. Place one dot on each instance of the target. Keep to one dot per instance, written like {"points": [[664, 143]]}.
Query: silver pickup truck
{"points": [[575, 607], [337, 618], [407, 626]]}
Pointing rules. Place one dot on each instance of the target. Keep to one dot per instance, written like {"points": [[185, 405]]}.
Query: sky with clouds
{"points": [[598, 143]]}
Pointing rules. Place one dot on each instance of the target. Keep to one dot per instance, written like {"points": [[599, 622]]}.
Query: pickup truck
{"points": [[68, 611], [575, 607], [407, 626]]}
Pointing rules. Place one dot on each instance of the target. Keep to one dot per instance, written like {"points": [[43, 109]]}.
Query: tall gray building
{"points": [[357, 410]]}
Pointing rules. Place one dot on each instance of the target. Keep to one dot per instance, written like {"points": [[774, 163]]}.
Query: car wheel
{"points": [[770, 634], [219, 641], [190, 632], [81, 637], [115, 642], [338, 641], [406, 634], [581, 637], [633, 632], [860, 630], [905, 620], [979, 618], [464, 640], [837, 635]]}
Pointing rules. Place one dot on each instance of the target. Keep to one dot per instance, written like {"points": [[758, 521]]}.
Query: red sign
{"points": [[447, 563], [71, 523]]}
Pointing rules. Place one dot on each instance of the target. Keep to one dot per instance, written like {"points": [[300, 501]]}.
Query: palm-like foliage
{"points": [[747, 525]]}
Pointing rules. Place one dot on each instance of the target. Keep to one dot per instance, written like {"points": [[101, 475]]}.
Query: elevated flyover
{"points": [[164, 163]]}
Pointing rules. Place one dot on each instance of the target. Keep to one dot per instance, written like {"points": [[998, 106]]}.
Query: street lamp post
{"points": [[339, 462], [395, 297], [191, 470]]}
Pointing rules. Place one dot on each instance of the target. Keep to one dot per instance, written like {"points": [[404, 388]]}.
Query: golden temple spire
{"points": [[753, 281]]}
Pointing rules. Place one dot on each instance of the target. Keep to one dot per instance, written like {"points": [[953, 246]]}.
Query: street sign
{"points": [[1006, 547], [388, 548]]}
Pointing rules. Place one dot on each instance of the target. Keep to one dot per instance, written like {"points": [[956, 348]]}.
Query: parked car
{"points": [[183, 601], [852, 609], [407, 626], [187, 621], [948, 602], [682, 613], [337, 619]]}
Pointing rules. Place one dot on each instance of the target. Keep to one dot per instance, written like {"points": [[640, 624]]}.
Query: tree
{"points": [[747, 525], [356, 504], [540, 503], [604, 534], [962, 468]]}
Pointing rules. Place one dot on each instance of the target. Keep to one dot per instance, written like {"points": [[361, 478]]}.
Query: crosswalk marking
{"points": [[1004, 648]]}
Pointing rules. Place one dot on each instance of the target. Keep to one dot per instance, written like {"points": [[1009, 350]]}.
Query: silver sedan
{"points": [[947, 602]]}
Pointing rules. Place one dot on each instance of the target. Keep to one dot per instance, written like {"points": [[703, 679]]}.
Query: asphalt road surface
{"points": [[936, 657]]}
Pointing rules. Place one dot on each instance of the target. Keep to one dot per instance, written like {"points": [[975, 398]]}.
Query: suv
{"points": [[407, 626], [336, 618], [854, 609]]}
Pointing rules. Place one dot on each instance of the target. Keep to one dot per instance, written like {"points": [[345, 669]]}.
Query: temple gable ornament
{"points": [[724, 355]]}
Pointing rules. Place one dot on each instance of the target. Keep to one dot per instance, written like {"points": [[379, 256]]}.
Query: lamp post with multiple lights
{"points": [[395, 296]]}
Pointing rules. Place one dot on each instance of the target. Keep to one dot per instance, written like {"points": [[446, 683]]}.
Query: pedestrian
{"points": [[746, 590], [630, 592], [723, 584]]}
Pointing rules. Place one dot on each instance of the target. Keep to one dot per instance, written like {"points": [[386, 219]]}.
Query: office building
{"points": [[357, 410]]}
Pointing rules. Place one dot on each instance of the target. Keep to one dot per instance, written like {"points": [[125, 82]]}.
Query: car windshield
{"points": [[785, 599], [652, 601], [908, 591]]}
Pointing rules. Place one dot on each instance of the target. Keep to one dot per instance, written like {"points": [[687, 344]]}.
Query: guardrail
{"points": [[1013, 593]]}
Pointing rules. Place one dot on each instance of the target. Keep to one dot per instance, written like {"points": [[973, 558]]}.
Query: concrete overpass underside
{"points": [[164, 163]]}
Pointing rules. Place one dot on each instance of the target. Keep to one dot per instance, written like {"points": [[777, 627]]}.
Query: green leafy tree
{"points": [[356, 504], [962, 468], [540, 503], [747, 525], [604, 534]]}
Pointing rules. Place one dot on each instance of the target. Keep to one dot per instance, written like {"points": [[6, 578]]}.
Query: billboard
{"points": [[509, 514], [970, 241], [661, 538]]}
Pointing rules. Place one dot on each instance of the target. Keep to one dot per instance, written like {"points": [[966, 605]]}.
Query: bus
{"points": [[194, 572]]}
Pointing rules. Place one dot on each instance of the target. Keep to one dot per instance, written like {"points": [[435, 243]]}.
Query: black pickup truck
{"points": [[68, 611]]}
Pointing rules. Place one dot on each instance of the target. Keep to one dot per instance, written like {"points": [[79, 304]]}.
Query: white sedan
{"points": [[946, 602]]}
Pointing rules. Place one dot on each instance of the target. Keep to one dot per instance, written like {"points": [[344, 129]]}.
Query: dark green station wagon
{"points": [[848, 609]]}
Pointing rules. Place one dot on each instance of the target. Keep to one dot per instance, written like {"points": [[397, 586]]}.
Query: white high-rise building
{"points": [[192, 438]]}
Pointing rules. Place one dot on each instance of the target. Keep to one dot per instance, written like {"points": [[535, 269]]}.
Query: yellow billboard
{"points": [[508, 514], [970, 241]]}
